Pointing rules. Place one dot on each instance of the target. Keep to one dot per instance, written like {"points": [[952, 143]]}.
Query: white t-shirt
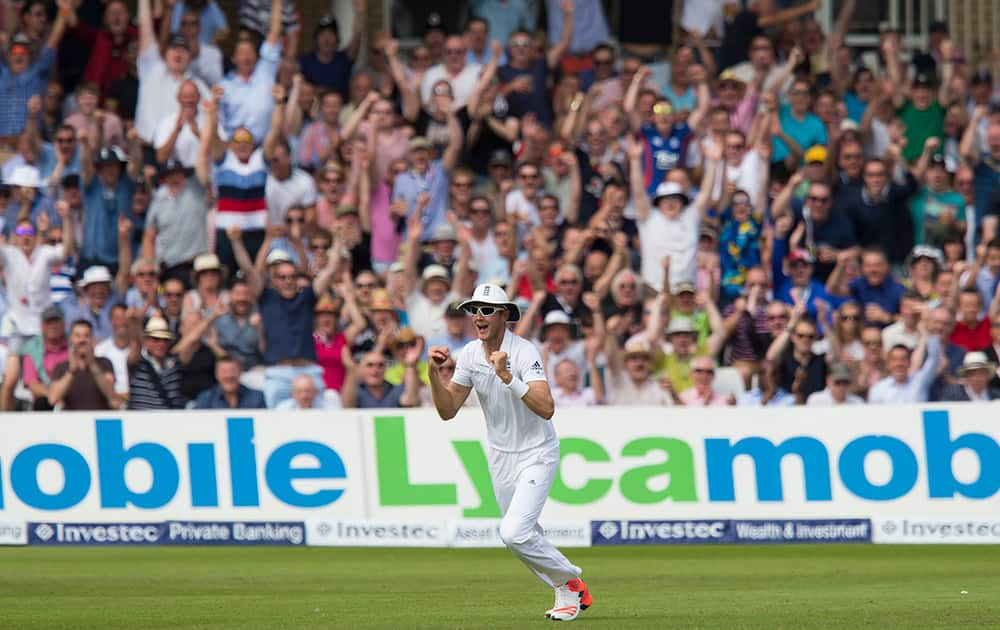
{"points": [[746, 175], [207, 66], [677, 238], [27, 283], [187, 144], [119, 360], [158, 92], [461, 85], [298, 190], [510, 425], [427, 318], [824, 398]]}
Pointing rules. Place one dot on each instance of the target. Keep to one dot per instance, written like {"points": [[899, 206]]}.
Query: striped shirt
{"points": [[155, 388], [241, 190]]}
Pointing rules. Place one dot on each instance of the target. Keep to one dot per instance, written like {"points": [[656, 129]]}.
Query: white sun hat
{"points": [[493, 295]]}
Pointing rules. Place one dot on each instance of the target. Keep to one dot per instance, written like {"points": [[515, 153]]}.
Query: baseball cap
{"points": [[110, 155], [277, 256], [20, 43], [419, 143], [816, 154], [923, 80], [800, 255], [345, 209], [728, 76], [179, 41], [52, 312], [637, 347], [980, 77], [684, 287], [435, 272], [500, 157], [172, 165], [840, 372], [433, 22]]}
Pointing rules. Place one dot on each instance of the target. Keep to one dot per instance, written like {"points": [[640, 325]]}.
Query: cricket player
{"points": [[507, 373]]}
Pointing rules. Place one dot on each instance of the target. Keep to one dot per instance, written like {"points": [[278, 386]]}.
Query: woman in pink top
{"points": [[328, 339]]}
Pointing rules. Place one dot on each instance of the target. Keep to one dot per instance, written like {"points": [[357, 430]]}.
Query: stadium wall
{"points": [[403, 478]]}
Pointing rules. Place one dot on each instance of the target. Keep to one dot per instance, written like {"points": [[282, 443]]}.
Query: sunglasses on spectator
{"points": [[817, 199], [190, 23], [873, 343], [567, 281], [462, 184], [319, 246], [741, 201], [851, 156], [485, 311], [65, 139], [736, 146], [520, 42], [851, 317], [549, 206], [379, 365], [479, 210], [24, 230], [528, 174], [703, 371], [294, 220], [454, 51], [773, 318], [805, 335], [365, 285], [173, 294], [333, 180], [145, 274], [285, 276]]}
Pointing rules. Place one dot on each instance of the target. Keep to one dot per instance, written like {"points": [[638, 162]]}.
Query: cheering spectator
{"points": [[247, 101], [976, 373], [21, 78], [84, 381], [108, 46], [972, 330], [175, 224], [629, 376], [286, 311], [327, 65], [206, 58], [306, 396], [769, 392], [911, 373], [178, 134], [116, 348]]}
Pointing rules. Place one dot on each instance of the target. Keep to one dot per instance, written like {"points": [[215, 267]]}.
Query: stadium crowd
{"points": [[759, 215]]}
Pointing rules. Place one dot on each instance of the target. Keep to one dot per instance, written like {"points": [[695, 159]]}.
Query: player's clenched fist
{"points": [[499, 361], [437, 355]]}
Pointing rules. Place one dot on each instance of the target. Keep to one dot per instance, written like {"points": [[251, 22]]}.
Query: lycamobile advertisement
{"points": [[618, 464]]}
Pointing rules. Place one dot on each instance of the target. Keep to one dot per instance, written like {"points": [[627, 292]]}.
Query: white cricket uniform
{"points": [[524, 453]]}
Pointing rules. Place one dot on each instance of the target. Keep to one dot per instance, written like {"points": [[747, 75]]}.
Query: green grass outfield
{"points": [[726, 587]]}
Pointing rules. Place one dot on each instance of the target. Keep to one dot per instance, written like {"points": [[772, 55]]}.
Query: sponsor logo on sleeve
{"points": [[936, 531], [96, 533], [661, 532], [802, 531], [13, 533]]}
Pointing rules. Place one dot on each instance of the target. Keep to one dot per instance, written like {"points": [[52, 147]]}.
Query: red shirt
{"points": [[328, 357], [107, 61], [972, 339]]}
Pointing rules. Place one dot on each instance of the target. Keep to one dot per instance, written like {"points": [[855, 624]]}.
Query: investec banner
{"points": [[398, 467]]}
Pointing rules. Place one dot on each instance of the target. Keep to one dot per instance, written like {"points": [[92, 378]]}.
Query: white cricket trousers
{"points": [[521, 482]]}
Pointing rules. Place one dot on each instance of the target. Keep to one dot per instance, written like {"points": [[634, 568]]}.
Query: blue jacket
{"points": [[213, 398]]}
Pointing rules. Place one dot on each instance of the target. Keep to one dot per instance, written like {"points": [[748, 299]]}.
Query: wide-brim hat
{"points": [[25, 176], [493, 295], [925, 251], [94, 275], [680, 325], [380, 301], [435, 272], [157, 328], [976, 361]]}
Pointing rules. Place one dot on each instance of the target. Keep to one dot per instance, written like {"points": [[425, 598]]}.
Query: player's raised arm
{"points": [[448, 397]]}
